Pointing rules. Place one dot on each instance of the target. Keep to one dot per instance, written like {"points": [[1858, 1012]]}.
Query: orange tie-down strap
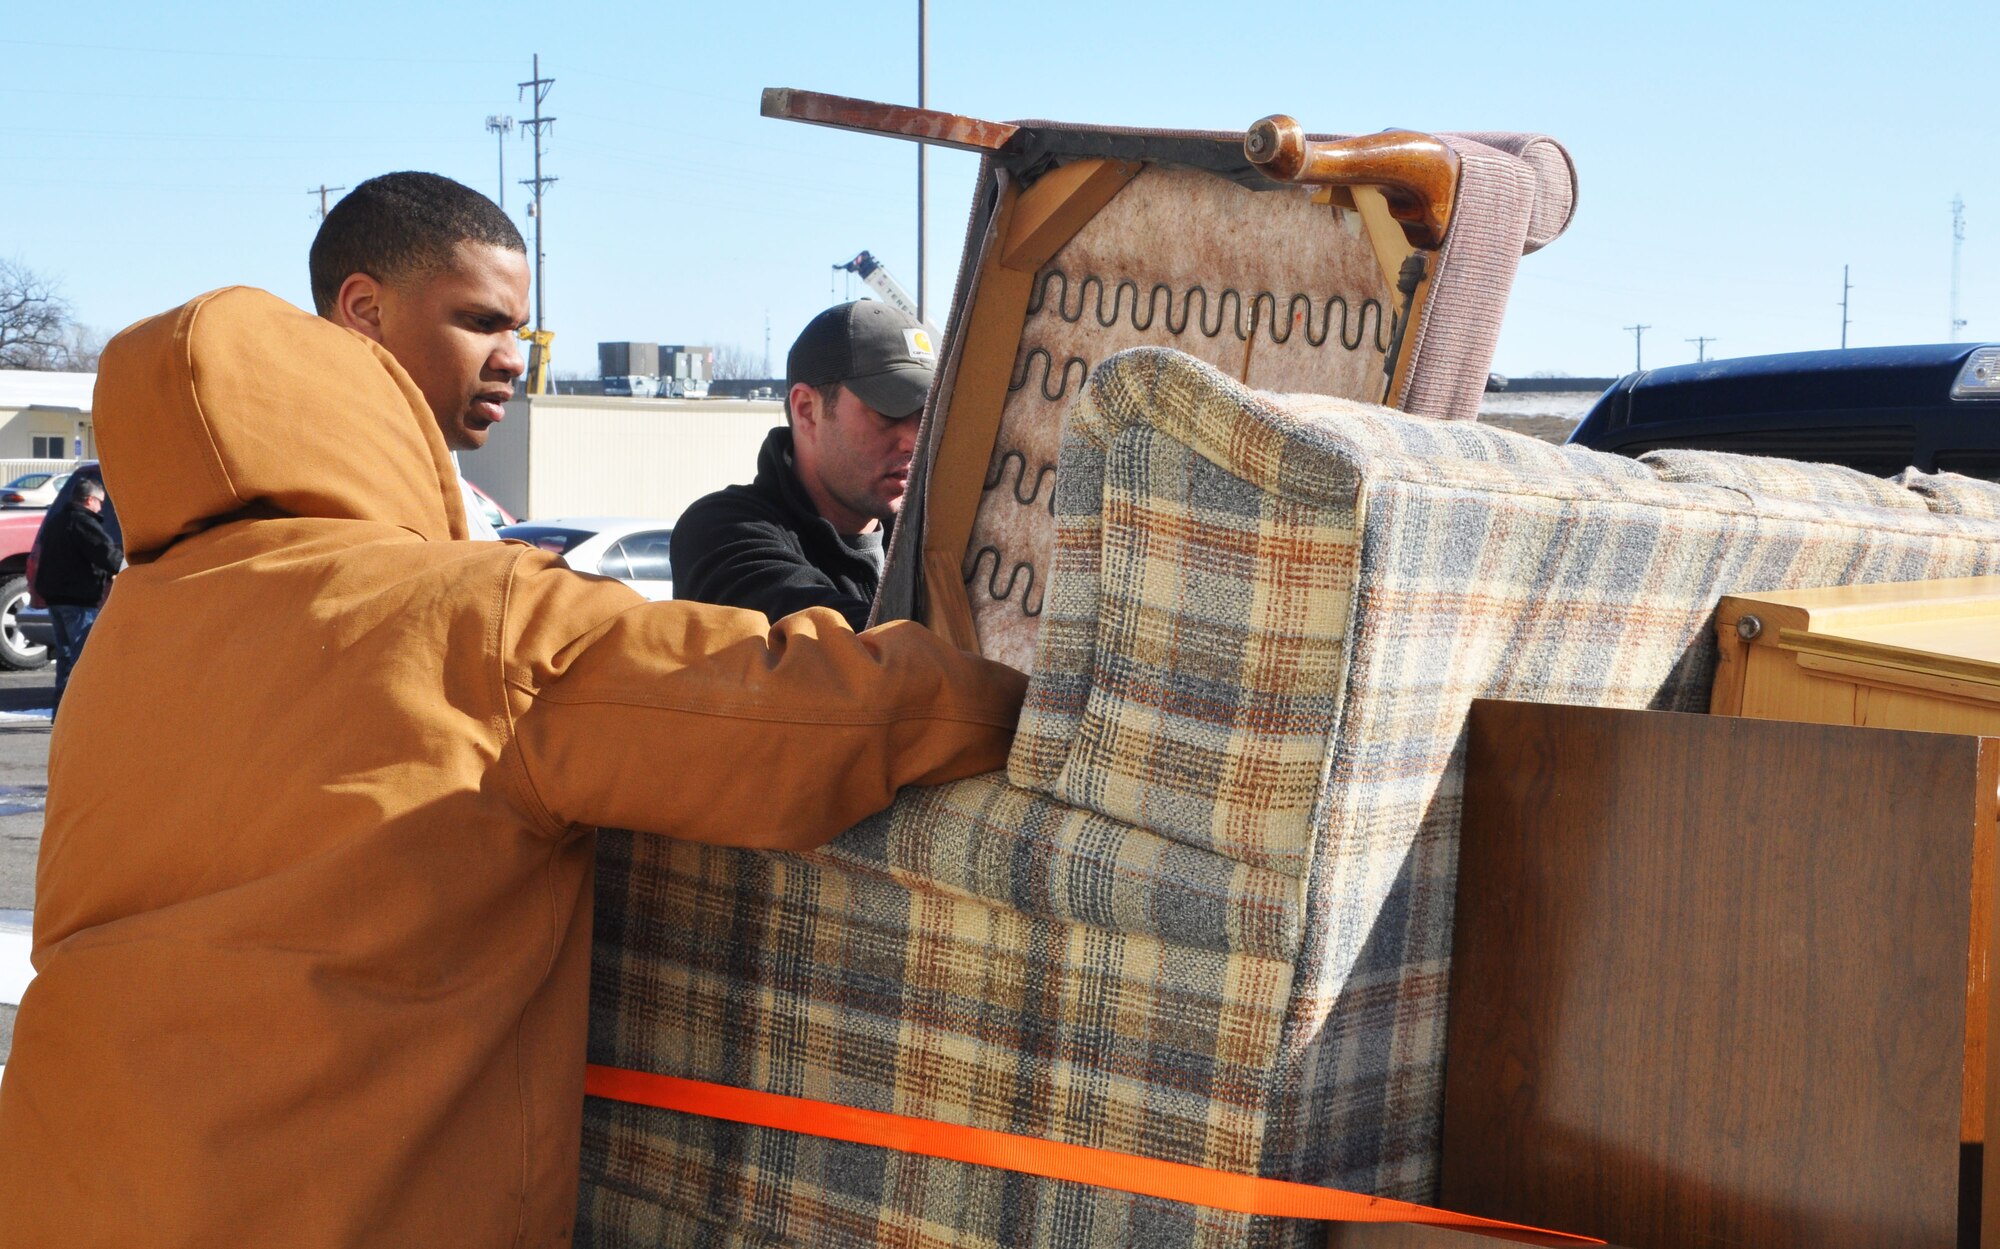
{"points": [[1055, 1160]]}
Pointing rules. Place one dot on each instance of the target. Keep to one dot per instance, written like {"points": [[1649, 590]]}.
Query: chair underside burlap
{"points": [[1280, 288], [1266, 286]]}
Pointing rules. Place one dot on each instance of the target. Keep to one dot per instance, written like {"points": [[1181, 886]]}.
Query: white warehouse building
{"points": [[590, 455]]}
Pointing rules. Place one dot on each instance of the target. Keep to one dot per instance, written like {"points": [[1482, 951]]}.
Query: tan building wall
{"points": [[44, 433], [589, 455], [44, 412]]}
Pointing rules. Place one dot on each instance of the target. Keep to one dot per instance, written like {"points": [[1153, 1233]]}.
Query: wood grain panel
{"points": [[1776, 688], [1906, 655], [925, 125], [1710, 978]]}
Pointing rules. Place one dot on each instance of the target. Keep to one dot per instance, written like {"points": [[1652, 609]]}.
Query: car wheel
{"points": [[16, 651]]}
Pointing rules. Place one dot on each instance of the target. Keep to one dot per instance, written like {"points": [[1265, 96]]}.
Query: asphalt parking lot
{"points": [[24, 778]]}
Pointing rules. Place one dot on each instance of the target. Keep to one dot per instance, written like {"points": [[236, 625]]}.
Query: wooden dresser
{"points": [[1722, 980], [1719, 980], [1917, 655]]}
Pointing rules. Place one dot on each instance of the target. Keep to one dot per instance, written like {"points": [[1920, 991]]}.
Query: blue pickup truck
{"points": [[1877, 409]]}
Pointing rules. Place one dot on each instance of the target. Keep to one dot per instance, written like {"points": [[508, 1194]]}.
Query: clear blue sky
{"points": [[1731, 158]]}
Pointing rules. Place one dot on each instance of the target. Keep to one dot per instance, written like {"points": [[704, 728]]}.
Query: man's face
{"points": [[854, 461], [453, 333]]}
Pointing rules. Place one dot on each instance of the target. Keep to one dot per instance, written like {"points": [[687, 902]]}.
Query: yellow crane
{"points": [[538, 364]]}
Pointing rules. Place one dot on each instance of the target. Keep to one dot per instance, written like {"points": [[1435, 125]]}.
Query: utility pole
{"points": [[1957, 245], [1701, 343], [323, 190], [501, 128], [1638, 333], [767, 342], [1845, 287], [923, 94], [539, 125]]}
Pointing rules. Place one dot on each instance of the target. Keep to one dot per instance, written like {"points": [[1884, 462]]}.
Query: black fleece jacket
{"points": [[765, 546], [78, 559]]}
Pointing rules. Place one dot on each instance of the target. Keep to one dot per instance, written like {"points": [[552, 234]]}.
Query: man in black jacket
{"points": [[812, 529], [73, 573]]}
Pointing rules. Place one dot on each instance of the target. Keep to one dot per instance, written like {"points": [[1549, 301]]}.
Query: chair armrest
{"points": [[986, 840]]}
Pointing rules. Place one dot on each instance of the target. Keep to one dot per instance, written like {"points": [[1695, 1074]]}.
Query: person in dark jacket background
{"points": [[73, 573], [812, 529]]}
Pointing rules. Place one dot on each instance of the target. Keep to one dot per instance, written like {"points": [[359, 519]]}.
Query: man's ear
{"points": [[802, 401], [358, 305]]}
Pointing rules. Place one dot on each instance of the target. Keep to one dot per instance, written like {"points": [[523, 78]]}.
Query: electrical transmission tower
{"points": [[323, 190], [1957, 246], [1638, 333], [539, 125], [1701, 342]]}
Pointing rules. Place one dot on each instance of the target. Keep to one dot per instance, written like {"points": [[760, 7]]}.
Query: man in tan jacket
{"points": [[313, 912]]}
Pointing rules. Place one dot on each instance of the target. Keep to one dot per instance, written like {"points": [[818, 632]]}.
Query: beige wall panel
{"points": [[19, 426], [591, 456], [500, 468]]}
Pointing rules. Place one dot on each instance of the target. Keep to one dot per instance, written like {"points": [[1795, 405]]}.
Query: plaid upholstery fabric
{"points": [[1206, 915], [1774, 478], [1954, 494], [978, 954]]}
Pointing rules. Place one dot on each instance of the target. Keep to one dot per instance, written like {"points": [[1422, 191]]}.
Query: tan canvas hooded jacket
{"points": [[312, 921]]}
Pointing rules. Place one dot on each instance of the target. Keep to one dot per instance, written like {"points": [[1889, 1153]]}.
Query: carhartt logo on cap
{"points": [[919, 341]]}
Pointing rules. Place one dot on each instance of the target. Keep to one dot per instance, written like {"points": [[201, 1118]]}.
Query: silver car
{"points": [[634, 551]]}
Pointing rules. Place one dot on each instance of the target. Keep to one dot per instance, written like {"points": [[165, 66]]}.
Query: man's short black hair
{"points": [[399, 226]]}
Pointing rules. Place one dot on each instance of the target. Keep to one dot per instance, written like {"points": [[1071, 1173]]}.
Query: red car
{"points": [[17, 538]]}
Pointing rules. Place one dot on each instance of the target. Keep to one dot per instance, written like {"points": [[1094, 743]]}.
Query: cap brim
{"points": [[896, 394]]}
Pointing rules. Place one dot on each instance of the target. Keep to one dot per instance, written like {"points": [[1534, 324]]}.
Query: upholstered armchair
{"points": [[1205, 914]]}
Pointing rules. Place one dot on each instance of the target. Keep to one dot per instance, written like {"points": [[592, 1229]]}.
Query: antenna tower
{"points": [[1957, 246], [1845, 320], [501, 127]]}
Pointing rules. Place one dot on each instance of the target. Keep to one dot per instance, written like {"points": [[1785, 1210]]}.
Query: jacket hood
{"points": [[238, 400]]}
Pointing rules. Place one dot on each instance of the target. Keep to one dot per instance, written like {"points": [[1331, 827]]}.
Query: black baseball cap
{"points": [[876, 351]]}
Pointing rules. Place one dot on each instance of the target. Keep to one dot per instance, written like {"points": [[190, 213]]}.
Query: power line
{"points": [[1701, 342], [156, 52], [1638, 333], [323, 190]]}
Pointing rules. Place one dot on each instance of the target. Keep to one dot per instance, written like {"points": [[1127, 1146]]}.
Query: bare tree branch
{"points": [[733, 360], [36, 329]]}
